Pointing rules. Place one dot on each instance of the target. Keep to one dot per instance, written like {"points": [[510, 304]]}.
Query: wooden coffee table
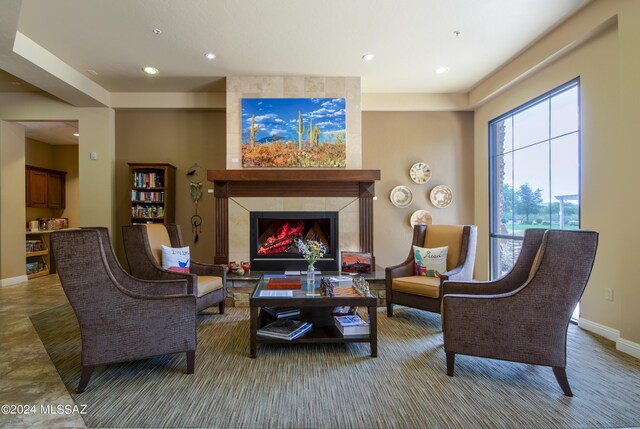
{"points": [[314, 308]]}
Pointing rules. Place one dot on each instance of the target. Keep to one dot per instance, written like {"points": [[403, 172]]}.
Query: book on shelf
{"points": [[344, 310], [285, 329], [351, 325], [284, 283], [282, 312]]}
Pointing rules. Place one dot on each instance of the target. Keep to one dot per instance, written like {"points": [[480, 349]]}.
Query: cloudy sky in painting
{"points": [[278, 118]]}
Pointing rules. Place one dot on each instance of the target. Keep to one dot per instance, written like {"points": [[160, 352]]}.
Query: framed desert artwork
{"points": [[293, 132], [356, 262]]}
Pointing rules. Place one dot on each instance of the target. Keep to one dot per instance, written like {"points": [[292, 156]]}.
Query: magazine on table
{"points": [[344, 310]]}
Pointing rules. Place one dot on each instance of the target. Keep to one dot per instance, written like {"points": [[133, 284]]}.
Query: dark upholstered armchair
{"points": [[121, 318], [143, 247], [405, 288], [523, 316]]}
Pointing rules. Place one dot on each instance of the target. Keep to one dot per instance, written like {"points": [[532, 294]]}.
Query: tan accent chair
{"points": [[524, 315], [143, 248], [405, 288]]}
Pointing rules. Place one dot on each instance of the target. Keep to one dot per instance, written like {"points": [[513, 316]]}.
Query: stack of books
{"points": [[285, 329], [282, 312], [344, 310], [351, 325]]}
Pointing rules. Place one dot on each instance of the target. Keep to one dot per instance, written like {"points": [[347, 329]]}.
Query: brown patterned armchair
{"points": [[121, 318], [143, 248], [524, 315], [405, 288]]}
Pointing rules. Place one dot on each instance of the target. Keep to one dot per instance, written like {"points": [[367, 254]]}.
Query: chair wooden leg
{"points": [[191, 362], [221, 307], [563, 381], [85, 375], [389, 309], [451, 363]]}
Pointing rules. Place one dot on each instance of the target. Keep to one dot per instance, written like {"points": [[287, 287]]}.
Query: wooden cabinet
{"points": [[152, 190], [45, 188]]}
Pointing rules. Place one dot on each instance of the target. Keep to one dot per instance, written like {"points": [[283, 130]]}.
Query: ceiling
{"points": [[409, 38], [106, 44]]}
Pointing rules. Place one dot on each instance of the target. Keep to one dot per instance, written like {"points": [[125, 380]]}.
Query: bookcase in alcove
{"points": [[152, 192]]}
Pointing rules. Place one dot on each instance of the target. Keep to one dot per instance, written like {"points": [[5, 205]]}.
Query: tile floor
{"points": [[27, 375]]}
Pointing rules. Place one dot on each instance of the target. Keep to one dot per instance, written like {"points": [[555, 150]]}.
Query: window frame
{"points": [[493, 156]]}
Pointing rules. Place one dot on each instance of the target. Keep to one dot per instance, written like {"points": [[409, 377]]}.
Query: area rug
{"points": [[341, 386]]}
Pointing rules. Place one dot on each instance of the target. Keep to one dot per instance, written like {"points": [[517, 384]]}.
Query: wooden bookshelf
{"points": [[152, 193], [38, 253]]}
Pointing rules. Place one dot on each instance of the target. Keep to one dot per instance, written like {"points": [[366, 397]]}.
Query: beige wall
{"points": [[609, 68], [180, 138], [62, 158], [239, 87], [393, 142], [12, 210]]}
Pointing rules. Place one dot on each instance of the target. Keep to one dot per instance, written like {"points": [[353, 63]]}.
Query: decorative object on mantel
{"points": [[420, 217], [356, 262], [293, 132], [196, 176], [420, 172], [441, 196], [401, 196]]}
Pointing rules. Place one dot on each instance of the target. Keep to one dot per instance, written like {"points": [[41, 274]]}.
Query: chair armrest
{"points": [[155, 287], [495, 287], [404, 269], [207, 269]]}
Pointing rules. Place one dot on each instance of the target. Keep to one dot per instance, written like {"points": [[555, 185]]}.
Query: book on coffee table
{"points": [[284, 283], [282, 312], [351, 325], [285, 329]]}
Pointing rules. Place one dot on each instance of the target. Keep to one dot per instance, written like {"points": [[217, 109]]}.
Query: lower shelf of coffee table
{"points": [[318, 334]]}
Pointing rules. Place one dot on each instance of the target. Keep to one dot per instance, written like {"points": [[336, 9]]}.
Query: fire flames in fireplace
{"points": [[279, 236]]}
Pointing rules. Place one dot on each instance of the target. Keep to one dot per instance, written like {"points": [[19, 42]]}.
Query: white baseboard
{"points": [[625, 346], [628, 347], [597, 328], [13, 280]]}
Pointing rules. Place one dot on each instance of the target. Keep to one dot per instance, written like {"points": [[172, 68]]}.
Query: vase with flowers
{"points": [[311, 251]]}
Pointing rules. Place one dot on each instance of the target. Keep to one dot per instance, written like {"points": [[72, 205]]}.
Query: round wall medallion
{"points": [[441, 196], [420, 172], [401, 196], [420, 217]]}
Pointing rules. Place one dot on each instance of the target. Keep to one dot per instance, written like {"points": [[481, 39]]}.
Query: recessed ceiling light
{"points": [[456, 33], [442, 69], [16, 83], [210, 55], [367, 57], [151, 71], [157, 31], [76, 134], [93, 72]]}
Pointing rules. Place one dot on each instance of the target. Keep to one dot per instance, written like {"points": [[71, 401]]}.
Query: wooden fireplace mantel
{"points": [[292, 183]]}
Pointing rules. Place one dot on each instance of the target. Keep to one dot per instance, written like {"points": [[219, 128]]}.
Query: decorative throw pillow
{"points": [[430, 262], [176, 258]]}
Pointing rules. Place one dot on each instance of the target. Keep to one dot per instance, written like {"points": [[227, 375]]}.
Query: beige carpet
{"points": [[340, 386]]}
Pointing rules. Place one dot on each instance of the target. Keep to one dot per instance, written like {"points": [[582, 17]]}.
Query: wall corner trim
{"points": [[597, 328], [628, 347], [13, 280]]}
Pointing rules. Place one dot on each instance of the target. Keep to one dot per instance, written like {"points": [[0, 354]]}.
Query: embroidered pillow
{"points": [[176, 258], [430, 262]]}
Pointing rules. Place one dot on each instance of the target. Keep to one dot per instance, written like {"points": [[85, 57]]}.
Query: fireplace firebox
{"points": [[272, 239]]}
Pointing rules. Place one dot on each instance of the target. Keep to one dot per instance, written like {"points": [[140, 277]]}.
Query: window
{"points": [[534, 162]]}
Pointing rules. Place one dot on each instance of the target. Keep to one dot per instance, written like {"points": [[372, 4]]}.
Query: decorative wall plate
{"points": [[420, 172], [441, 196], [420, 217], [401, 196]]}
